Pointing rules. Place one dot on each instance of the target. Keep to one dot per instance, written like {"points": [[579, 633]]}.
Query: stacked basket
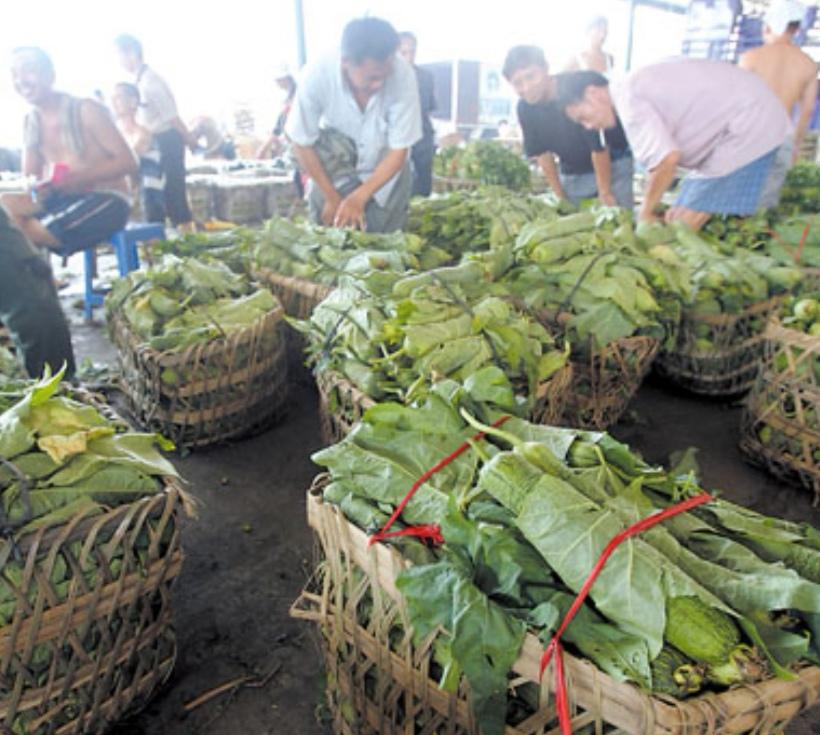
{"points": [[781, 419]]}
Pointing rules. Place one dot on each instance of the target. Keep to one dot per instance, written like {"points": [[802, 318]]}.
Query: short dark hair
{"points": [[408, 36], [573, 85], [40, 58], [128, 44], [132, 90], [520, 57], [369, 38], [794, 26]]}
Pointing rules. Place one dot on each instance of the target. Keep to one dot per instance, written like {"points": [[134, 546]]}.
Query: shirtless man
{"points": [[792, 76], [78, 157]]}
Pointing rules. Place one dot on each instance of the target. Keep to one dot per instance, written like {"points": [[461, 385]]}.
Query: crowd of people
{"points": [[358, 124]]}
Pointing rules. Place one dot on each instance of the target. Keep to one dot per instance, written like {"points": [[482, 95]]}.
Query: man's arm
{"points": [[351, 209], [310, 163], [807, 103], [660, 179], [120, 159], [33, 163], [547, 163], [602, 165]]}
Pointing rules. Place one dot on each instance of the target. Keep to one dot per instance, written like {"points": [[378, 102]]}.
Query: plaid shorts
{"points": [[736, 193]]}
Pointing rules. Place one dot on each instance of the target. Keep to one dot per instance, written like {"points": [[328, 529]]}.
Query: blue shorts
{"points": [[80, 221], [736, 193]]}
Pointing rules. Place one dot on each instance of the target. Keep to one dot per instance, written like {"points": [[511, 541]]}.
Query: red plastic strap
{"points": [[554, 648], [431, 531], [803, 239]]}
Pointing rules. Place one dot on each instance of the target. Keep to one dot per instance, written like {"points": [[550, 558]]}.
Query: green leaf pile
{"points": [[801, 191], [711, 598], [590, 274], [323, 254], [470, 221], [485, 162], [185, 301], [444, 323]]}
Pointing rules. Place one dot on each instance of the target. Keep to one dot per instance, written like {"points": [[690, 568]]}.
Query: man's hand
{"points": [[607, 198], [330, 208], [351, 211]]}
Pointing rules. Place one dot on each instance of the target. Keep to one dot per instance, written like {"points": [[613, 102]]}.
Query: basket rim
{"points": [[675, 715]]}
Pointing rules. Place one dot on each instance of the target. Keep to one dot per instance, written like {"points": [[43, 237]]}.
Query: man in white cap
{"points": [[792, 76]]}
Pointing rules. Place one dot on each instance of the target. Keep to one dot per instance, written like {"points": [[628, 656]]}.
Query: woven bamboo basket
{"points": [[280, 197], [240, 201], [226, 388], [342, 404], [298, 296], [604, 381], [380, 683], [79, 653], [201, 198], [730, 367], [780, 427]]}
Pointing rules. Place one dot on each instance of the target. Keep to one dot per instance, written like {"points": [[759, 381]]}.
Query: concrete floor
{"points": [[248, 556]]}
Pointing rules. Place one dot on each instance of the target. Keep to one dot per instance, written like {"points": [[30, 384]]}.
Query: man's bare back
{"points": [[784, 67]]}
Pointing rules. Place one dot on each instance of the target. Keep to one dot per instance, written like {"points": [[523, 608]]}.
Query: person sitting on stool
{"points": [[79, 158]]}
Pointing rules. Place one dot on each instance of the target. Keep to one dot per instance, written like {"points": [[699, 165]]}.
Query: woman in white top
{"points": [[593, 57]]}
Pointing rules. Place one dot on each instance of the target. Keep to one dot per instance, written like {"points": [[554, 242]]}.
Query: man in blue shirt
{"points": [[354, 120], [425, 149]]}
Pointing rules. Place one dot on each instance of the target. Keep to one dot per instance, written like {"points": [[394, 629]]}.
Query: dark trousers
{"points": [[172, 157], [29, 306], [422, 154]]}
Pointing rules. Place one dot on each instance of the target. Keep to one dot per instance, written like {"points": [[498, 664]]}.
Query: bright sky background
{"points": [[216, 60]]}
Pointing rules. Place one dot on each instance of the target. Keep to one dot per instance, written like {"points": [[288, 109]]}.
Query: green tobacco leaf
{"points": [[485, 641]]}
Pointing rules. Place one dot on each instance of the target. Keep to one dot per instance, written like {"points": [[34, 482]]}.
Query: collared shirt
{"points": [[158, 108], [390, 120], [718, 116]]}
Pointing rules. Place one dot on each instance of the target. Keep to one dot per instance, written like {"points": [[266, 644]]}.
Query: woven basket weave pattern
{"points": [[780, 428], [78, 654], [730, 367], [380, 683], [227, 387]]}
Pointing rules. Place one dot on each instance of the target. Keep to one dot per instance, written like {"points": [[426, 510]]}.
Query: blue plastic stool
{"points": [[124, 243]]}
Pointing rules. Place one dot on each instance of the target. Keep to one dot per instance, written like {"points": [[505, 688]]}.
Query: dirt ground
{"points": [[248, 556]]}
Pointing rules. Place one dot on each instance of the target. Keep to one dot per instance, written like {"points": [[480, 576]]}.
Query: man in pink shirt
{"points": [[722, 124]]}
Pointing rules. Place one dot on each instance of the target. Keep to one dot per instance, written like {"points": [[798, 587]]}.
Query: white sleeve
{"points": [[302, 126], [404, 113]]}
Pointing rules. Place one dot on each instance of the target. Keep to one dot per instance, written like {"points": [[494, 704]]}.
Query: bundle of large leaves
{"points": [[723, 284], [61, 456], [445, 323], [485, 162], [696, 602], [788, 239], [801, 191], [231, 247], [470, 221], [323, 254], [592, 276], [185, 301]]}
